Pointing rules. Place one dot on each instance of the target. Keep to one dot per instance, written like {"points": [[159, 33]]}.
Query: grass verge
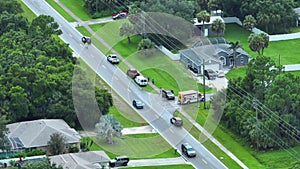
{"points": [[61, 11], [27, 13], [76, 6]]}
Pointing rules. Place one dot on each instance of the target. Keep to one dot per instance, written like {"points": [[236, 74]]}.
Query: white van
{"points": [[141, 80]]}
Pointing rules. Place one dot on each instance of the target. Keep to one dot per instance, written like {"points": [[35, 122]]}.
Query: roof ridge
{"points": [[58, 130], [38, 133]]}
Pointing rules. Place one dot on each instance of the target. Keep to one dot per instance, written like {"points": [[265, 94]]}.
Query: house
{"points": [[206, 26], [297, 11], [82, 160], [36, 134], [215, 54]]}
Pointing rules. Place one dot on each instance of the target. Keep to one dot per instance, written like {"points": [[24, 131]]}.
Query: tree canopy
{"points": [[36, 71], [43, 164], [263, 107]]}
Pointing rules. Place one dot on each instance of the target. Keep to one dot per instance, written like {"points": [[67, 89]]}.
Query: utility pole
{"points": [[204, 83], [256, 118]]}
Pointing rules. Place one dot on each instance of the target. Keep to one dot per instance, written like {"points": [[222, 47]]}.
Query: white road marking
{"points": [[71, 35], [204, 161], [156, 116], [104, 66], [81, 45], [128, 90], [92, 56], [116, 77], [171, 130]]}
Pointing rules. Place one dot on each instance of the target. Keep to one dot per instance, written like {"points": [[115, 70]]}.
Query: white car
{"points": [[220, 73], [141, 80], [112, 58]]}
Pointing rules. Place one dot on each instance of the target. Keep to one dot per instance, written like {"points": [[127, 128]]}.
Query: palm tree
{"points": [[218, 26], [108, 127], [127, 29], [249, 22], [234, 46], [203, 16], [258, 42]]}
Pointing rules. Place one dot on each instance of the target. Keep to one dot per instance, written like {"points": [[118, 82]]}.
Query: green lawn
{"points": [[141, 146], [165, 167], [60, 10], [280, 159], [236, 72], [27, 12], [286, 49], [76, 6], [128, 118]]}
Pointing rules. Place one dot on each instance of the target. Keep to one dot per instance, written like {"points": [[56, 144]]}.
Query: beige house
{"points": [[36, 134], [82, 160]]}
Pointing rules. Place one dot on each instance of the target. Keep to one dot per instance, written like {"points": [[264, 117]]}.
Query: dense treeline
{"points": [[273, 16], [263, 108], [36, 70]]}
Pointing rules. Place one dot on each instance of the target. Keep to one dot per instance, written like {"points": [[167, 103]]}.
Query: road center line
{"points": [[104, 66], [204, 161]]}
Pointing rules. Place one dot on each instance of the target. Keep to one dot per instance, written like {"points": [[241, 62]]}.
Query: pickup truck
{"points": [[112, 58]]}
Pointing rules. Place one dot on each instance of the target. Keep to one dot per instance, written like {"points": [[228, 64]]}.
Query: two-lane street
{"points": [[153, 112]]}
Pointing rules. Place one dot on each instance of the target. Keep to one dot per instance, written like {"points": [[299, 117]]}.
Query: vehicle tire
{"points": [[171, 121], [124, 164]]}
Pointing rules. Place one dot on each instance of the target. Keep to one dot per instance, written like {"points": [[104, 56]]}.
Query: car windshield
{"points": [[138, 102], [169, 92], [113, 56]]}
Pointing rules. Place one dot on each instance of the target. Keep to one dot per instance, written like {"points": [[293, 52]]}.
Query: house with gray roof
{"points": [[36, 133], [82, 160], [214, 53]]}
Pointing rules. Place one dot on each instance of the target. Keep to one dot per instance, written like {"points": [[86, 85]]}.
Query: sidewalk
{"points": [[156, 162], [153, 86]]}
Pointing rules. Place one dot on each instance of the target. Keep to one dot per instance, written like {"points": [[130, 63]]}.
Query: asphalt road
{"points": [[153, 112]]}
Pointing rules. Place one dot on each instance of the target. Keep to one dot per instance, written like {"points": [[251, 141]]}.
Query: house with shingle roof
{"points": [[82, 160], [214, 53], [36, 134]]}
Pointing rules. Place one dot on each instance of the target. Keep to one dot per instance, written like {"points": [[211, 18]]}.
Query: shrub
{"points": [[74, 149], [35, 152]]}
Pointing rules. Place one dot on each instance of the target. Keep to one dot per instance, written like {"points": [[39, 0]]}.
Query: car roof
{"points": [[177, 118]]}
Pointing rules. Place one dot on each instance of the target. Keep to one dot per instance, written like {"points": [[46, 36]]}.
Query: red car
{"points": [[119, 15]]}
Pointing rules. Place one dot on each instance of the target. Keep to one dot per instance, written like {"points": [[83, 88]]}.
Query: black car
{"points": [[177, 121], [188, 150], [137, 104]]}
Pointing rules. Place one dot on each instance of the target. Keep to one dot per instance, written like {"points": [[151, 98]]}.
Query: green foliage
{"points": [[56, 144], [249, 22], [73, 149], [43, 164], [19, 154], [97, 8], [264, 84], [258, 42], [35, 152], [127, 29], [4, 142], [218, 26], [145, 44], [183, 9], [11, 6]]}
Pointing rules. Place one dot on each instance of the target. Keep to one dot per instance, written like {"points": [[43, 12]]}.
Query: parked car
{"points": [[193, 69], [188, 150], [141, 80], [112, 58], [177, 121], [169, 94], [119, 15], [220, 73], [137, 104], [210, 74], [119, 161], [132, 73]]}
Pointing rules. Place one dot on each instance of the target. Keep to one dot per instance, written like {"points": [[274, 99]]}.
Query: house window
{"points": [[242, 59], [223, 60]]}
